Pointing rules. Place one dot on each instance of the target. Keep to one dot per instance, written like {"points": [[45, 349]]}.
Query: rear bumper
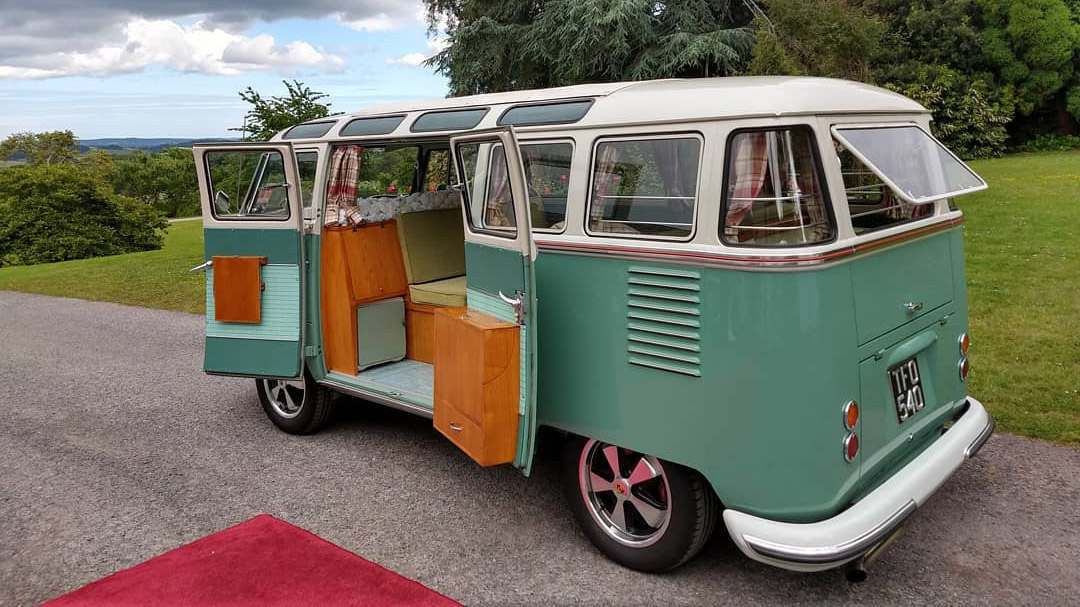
{"points": [[852, 533]]}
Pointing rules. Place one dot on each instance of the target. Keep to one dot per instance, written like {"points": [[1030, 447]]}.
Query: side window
{"points": [[547, 174], [248, 184], [438, 174], [306, 164], [872, 204], [645, 187], [774, 194], [387, 171]]}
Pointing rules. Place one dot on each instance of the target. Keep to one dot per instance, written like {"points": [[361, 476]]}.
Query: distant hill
{"points": [[150, 144]]}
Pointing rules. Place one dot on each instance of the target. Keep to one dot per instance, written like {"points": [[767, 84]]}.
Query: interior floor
{"points": [[414, 380]]}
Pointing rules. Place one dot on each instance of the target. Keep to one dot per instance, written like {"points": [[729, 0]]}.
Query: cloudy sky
{"points": [[173, 68]]}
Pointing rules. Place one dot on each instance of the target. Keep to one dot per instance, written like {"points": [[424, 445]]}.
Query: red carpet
{"points": [[263, 561]]}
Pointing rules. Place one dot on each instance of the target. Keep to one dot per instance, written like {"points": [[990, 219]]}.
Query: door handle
{"points": [[913, 306], [202, 267], [518, 304]]}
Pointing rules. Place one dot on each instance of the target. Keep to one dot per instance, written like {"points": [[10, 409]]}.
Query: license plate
{"points": [[907, 389]]}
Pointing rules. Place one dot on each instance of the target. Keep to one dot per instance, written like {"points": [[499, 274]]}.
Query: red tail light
{"points": [[965, 367], [851, 447], [965, 344]]}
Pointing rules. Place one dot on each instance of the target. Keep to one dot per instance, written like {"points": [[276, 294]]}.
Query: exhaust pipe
{"points": [[856, 570]]}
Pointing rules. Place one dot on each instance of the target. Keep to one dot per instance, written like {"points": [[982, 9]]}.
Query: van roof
{"points": [[667, 100]]}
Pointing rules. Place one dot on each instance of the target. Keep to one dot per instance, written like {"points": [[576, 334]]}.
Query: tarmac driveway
{"points": [[115, 447]]}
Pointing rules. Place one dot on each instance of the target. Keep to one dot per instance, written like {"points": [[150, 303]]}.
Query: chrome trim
{"points": [[847, 406], [836, 553], [980, 440], [202, 267]]}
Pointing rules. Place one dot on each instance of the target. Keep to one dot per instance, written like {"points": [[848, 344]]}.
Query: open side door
{"points": [[499, 254], [252, 227]]}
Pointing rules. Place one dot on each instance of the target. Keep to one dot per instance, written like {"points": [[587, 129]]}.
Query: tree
{"points": [[60, 212], [833, 38], [1033, 45], [165, 180], [267, 117], [41, 148], [499, 46]]}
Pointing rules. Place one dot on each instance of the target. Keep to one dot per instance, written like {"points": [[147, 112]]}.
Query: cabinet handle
{"points": [[455, 427]]}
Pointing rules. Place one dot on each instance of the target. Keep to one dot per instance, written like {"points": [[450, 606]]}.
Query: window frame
{"points": [[653, 136], [511, 233], [461, 110], [569, 176], [248, 192], [819, 165]]}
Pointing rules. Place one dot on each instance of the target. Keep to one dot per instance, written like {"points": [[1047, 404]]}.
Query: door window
{"points": [[489, 204], [645, 187], [774, 190], [547, 177], [307, 163], [248, 184]]}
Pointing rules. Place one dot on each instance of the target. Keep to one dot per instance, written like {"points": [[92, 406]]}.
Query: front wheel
{"points": [[298, 406], [642, 512]]}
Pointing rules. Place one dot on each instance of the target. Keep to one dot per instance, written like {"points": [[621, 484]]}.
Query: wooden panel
{"points": [[238, 288], [338, 318], [376, 269], [477, 380], [420, 332]]}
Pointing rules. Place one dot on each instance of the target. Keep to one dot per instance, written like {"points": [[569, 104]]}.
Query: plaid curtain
{"points": [[603, 180], [341, 189], [749, 165], [807, 181]]}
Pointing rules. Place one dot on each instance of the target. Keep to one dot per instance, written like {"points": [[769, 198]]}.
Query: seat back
{"points": [[432, 244]]}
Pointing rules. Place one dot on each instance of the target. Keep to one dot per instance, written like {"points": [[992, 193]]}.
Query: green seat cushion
{"points": [[448, 292], [432, 244]]}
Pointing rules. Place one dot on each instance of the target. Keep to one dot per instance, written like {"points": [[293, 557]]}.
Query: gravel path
{"points": [[116, 447]]}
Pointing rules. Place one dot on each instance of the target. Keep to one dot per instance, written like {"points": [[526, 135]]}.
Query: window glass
{"points": [[645, 187], [547, 174], [449, 120], [920, 168], [487, 187], [387, 171], [381, 125], [308, 131], [872, 204], [307, 163], [438, 174], [248, 184], [546, 113], [775, 190]]}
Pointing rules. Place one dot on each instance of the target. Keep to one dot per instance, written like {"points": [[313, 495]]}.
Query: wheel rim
{"points": [[286, 396], [627, 493]]}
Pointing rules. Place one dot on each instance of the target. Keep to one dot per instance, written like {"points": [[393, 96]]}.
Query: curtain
{"points": [[341, 188], [748, 166], [603, 183]]}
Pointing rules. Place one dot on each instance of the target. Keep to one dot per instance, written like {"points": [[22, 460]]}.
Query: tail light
{"points": [[965, 367], [965, 344], [851, 447], [851, 415]]}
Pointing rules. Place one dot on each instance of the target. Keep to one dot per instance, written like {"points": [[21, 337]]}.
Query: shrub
{"points": [[60, 212], [969, 116], [1052, 142]]}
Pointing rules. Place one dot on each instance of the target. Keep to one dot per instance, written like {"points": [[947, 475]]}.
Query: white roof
{"points": [[673, 100]]}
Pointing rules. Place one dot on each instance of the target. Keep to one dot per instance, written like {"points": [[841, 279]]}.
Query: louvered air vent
{"points": [[663, 310]]}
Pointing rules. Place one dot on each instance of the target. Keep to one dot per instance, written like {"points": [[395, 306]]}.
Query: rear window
{"points": [[872, 204], [913, 164]]}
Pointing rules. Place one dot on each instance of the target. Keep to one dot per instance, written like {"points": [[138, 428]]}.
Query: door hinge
{"points": [[311, 351]]}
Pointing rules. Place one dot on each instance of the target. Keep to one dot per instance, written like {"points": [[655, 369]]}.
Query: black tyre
{"points": [[642, 512], [296, 406]]}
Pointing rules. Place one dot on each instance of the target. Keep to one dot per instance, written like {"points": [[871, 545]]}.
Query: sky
{"points": [[174, 68]]}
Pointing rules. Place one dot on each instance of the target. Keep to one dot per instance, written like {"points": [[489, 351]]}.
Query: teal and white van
{"points": [[736, 299]]}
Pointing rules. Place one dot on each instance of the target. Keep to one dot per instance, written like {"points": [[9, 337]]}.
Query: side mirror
{"points": [[221, 203]]}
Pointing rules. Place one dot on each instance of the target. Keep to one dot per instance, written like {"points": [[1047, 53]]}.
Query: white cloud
{"points": [[194, 48], [379, 23], [434, 45]]}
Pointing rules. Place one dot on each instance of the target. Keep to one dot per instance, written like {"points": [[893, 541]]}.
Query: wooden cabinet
{"points": [[477, 382], [358, 266]]}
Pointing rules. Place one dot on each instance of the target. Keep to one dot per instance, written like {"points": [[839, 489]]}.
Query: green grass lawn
{"points": [[1022, 240], [1023, 261], [155, 279]]}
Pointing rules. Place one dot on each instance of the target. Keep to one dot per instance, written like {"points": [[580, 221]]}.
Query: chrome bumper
{"points": [[850, 534]]}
